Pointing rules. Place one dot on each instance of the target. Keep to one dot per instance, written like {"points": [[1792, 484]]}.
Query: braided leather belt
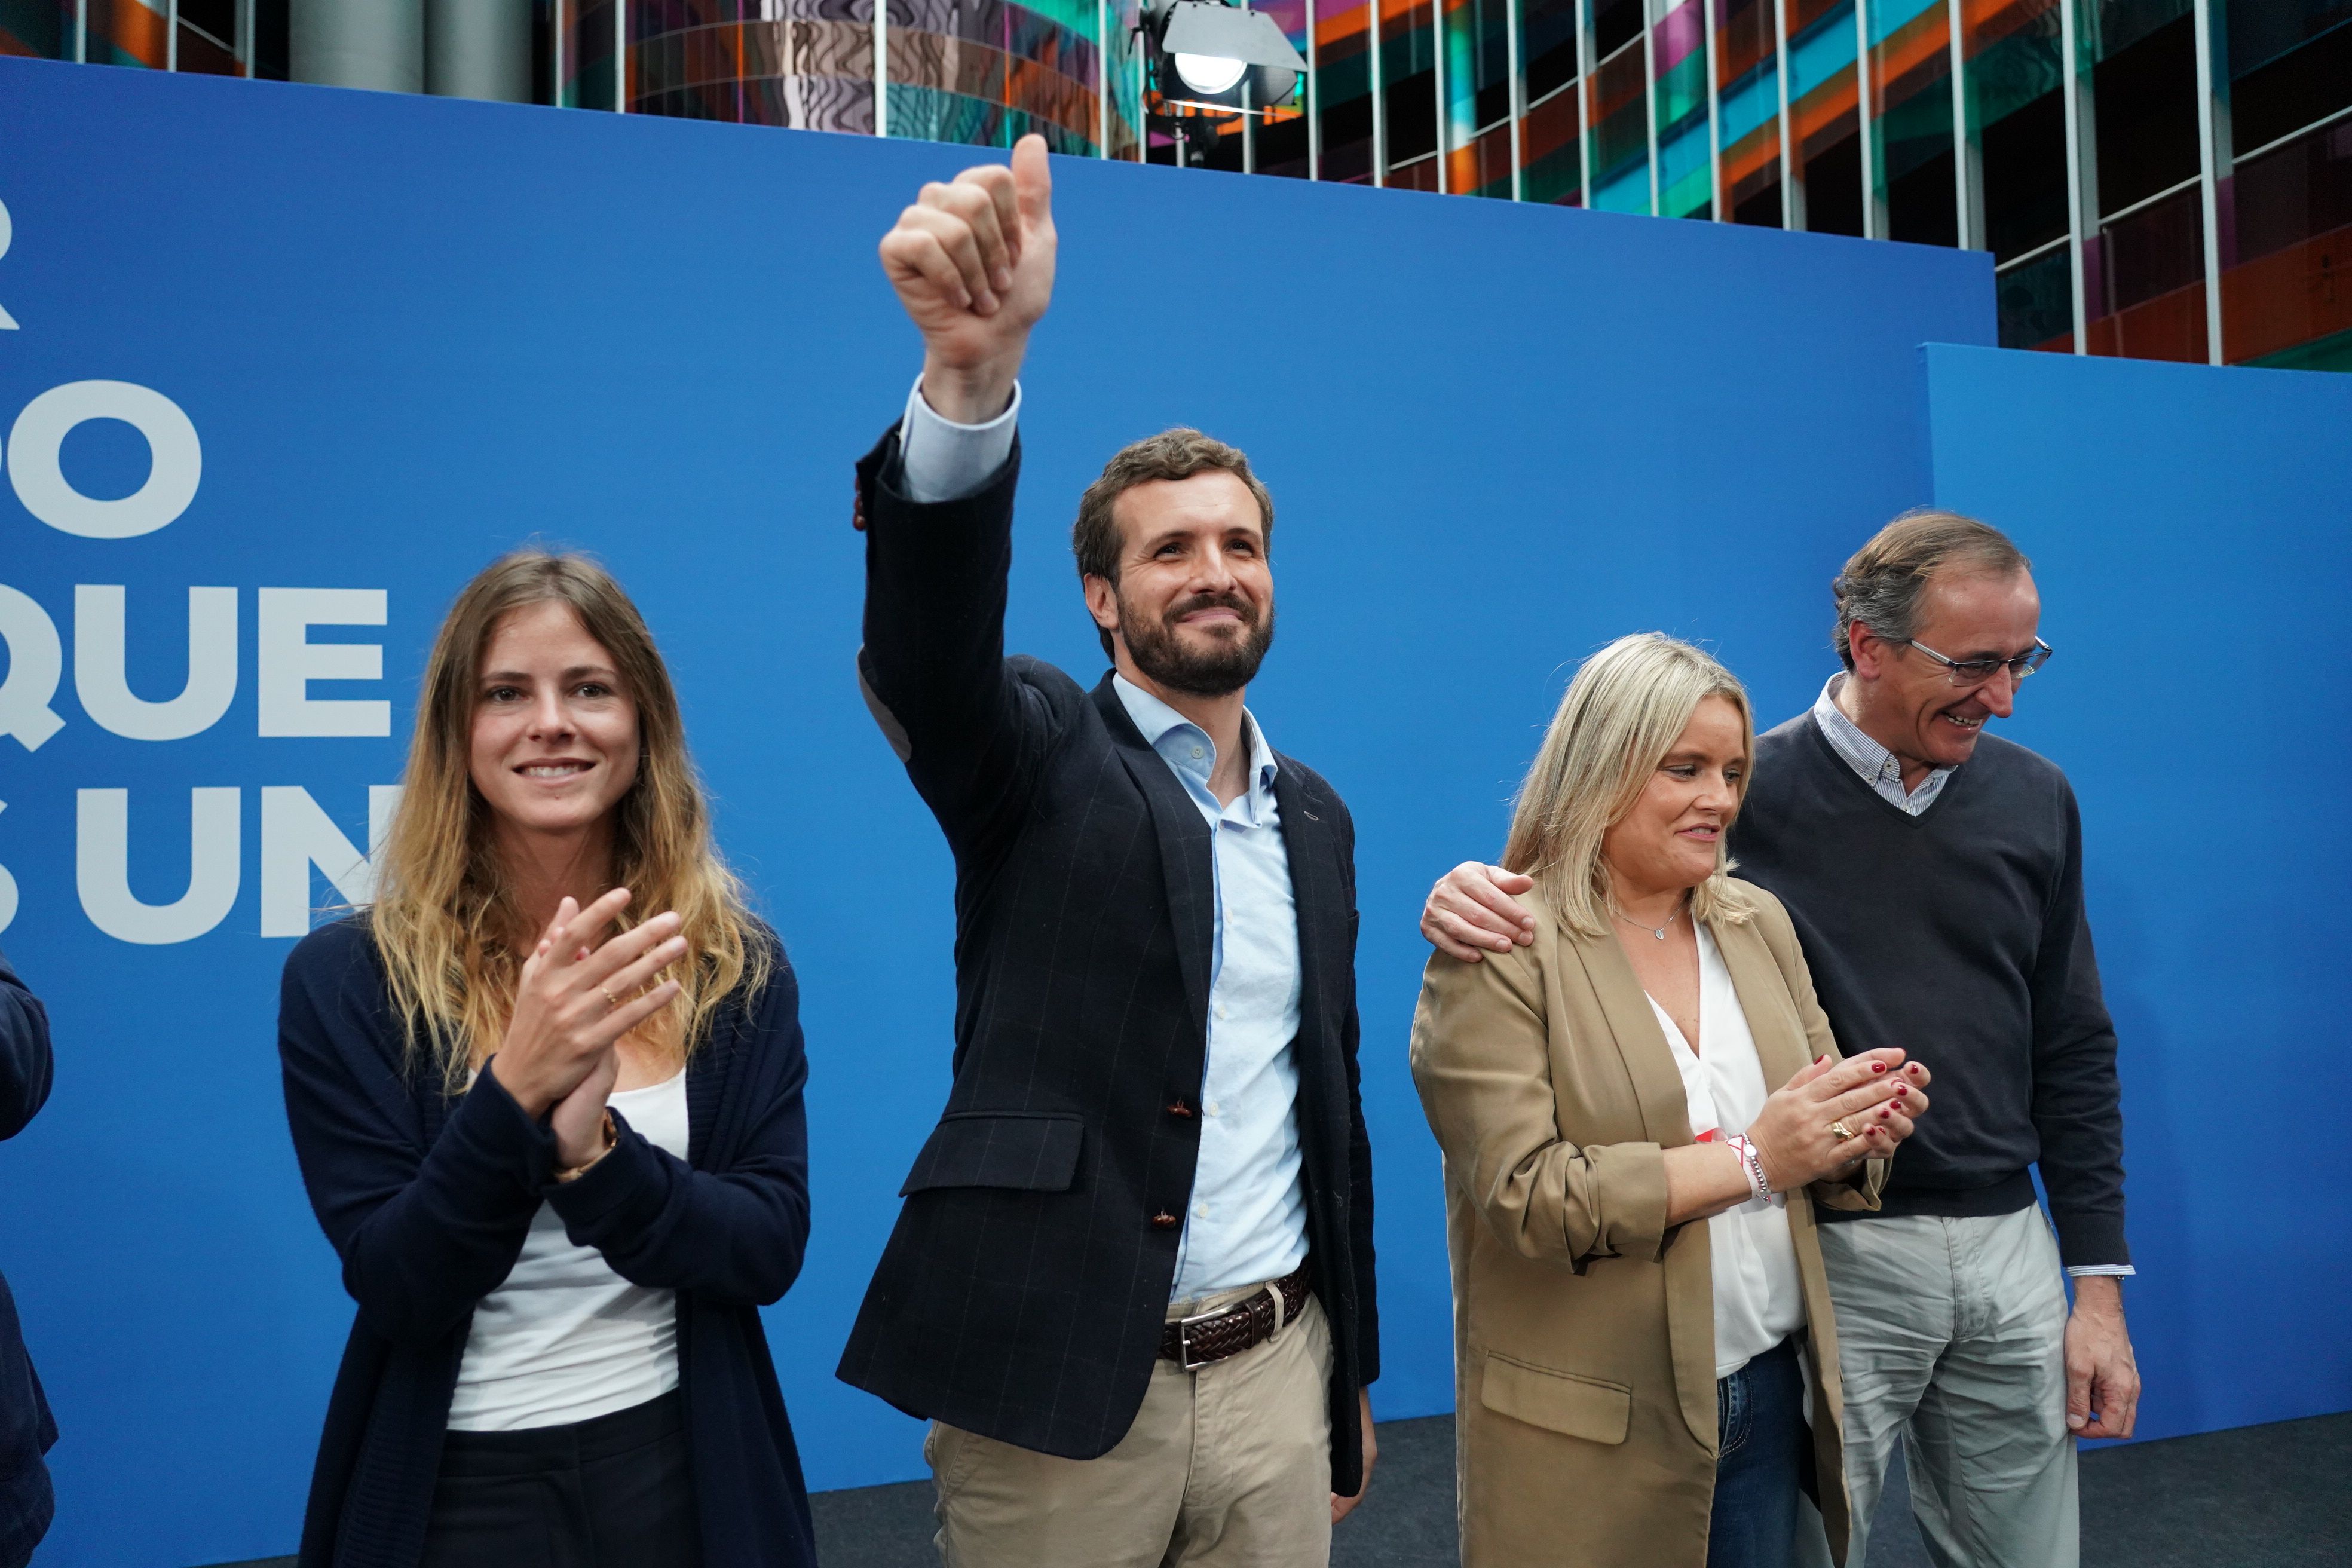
{"points": [[1195, 1342]]}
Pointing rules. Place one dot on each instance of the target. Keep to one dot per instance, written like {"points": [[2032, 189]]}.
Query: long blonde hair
{"points": [[444, 919], [1619, 719]]}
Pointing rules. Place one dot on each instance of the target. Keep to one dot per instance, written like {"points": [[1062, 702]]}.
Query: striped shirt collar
{"points": [[1872, 762]]}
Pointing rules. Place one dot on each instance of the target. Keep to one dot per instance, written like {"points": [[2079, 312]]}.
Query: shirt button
{"points": [[1196, 751], [1199, 1210], [1163, 1220], [1210, 1107], [1220, 1011]]}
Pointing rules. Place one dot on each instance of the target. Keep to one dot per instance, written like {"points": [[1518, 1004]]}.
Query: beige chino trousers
{"points": [[1228, 1467]]}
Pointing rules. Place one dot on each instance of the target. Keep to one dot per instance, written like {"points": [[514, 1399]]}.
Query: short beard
{"points": [[1230, 666]]}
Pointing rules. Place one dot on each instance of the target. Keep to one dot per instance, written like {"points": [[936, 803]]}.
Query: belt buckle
{"points": [[1184, 1340]]}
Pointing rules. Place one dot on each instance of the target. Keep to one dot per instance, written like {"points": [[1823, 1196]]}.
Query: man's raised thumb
{"points": [[1033, 181]]}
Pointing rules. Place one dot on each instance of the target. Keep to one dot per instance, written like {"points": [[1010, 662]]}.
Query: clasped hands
{"points": [[1874, 1095], [579, 994]]}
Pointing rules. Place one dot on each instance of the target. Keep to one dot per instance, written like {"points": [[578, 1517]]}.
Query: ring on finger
{"points": [[611, 1001], [1840, 1131]]}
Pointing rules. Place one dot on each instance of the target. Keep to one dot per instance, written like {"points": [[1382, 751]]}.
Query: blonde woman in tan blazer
{"points": [[1638, 1112]]}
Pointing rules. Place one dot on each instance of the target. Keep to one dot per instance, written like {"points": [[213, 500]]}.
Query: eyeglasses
{"points": [[1977, 671]]}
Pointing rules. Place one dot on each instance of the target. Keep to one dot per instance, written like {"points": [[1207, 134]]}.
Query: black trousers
{"points": [[612, 1492]]}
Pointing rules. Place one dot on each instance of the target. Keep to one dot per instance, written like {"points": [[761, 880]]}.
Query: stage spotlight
{"points": [[1211, 55], [1209, 74]]}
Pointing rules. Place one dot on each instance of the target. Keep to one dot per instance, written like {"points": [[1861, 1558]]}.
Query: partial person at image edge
{"points": [[27, 1428]]}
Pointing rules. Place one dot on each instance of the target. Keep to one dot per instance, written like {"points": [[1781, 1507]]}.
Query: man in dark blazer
{"points": [[25, 1429], [1131, 1284]]}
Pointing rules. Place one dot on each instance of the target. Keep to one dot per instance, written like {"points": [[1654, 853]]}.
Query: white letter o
{"points": [[177, 461]]}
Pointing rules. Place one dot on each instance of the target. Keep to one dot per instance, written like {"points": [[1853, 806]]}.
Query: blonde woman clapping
{"points": [[1638, 1111]]}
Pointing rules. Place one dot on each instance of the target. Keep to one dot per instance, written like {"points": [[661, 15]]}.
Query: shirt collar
{"points": [[1160, 724], [1865, 756]]}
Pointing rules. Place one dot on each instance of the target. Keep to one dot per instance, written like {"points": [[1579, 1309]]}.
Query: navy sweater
{"points": [[25, 1429], [1959, 935], [427, 1198]]}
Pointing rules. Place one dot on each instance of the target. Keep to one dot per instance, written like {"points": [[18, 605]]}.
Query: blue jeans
{"points": [[1760, 1415]]}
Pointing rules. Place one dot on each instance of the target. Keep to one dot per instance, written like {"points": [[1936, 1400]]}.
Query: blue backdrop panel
{"points": [[2191, 531], [410, 334]]}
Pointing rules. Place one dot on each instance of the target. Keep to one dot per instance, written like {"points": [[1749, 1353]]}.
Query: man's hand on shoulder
{"points": [[973, 262], [1474, 908]]}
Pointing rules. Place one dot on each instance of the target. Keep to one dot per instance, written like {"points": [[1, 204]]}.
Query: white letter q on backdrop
{"points": [[36, 659], [175, 459]]}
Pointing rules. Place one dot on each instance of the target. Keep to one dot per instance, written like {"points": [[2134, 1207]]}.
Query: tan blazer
{"points": [[1584, 1326]]}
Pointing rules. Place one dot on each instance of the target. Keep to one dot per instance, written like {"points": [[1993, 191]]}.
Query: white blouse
{"points": [[1758, 1300], [564, 1338]]}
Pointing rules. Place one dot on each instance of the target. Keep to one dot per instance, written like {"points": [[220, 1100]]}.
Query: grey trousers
{"points": [[1952, 1337]]}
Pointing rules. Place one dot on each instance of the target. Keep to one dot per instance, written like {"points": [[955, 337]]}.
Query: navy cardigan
{"points": [[427, 1198], [25, 1429]]}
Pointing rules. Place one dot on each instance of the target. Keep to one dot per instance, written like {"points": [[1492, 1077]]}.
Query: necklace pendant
{"points": [[1660, 933]]}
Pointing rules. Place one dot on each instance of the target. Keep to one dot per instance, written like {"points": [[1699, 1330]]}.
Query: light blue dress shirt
{"points": [[1247, 1222], [940, 459]]}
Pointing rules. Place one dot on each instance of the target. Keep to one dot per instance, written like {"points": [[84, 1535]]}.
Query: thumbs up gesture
{"points": [[972, 261]]}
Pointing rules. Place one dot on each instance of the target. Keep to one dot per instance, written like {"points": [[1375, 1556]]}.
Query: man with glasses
{"points": [[1935, 876]]}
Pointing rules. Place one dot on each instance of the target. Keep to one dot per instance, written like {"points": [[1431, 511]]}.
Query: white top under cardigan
{"points": [[1758, 1300], [564, 1338]]}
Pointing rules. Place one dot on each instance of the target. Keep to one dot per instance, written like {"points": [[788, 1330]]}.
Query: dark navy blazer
{"points": [[427, 1198], [25, 1429], [1023, 1288]]}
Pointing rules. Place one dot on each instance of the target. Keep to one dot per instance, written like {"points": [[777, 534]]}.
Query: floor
{"points": [[2259, 1497]]}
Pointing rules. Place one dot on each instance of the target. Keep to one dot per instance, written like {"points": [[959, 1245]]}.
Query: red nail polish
{"points": [[1885, 1111], [1878, 1067], [1820, 1060]]}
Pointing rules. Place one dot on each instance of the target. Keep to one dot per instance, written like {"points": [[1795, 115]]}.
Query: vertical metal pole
{"points": [[1956, 23], [1517, 108], [1863, 126], [2211, 129], [1437, 47], [882, 61], [1314, 101], [1249, 128], [172, 37], [2078, 208], [81, 32], [1584, 104], [1713, 117], [1649, 93], [1380, 103], [621, 55], [1789, 216]]}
